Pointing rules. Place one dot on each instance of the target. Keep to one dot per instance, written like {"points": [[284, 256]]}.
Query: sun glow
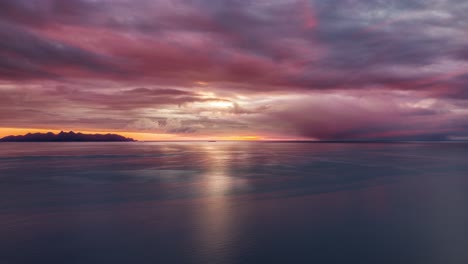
{"points": [[219, 104], [243, 138], [201, 83], [135, 135]]}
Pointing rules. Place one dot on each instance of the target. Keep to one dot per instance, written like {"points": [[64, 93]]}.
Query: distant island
{"points": [[66, 137]]}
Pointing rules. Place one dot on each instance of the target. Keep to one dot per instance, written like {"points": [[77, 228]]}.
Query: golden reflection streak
{"points": [[216, 219]]}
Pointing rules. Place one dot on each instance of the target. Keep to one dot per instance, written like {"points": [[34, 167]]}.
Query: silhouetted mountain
{"points": [[66, 137]]}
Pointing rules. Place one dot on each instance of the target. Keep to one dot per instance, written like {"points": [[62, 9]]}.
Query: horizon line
{"points": [[229, 138]]}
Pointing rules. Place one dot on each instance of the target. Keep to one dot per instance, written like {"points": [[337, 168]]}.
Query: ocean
{"points": [[233, 202]]}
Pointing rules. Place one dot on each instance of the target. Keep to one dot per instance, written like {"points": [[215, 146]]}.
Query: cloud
{"points": [[248, 45], [40, 13], [29, 55], [375, 116], [362, 67]]}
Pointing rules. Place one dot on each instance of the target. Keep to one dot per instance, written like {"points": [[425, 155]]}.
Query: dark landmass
{"points": [[66, 137]]}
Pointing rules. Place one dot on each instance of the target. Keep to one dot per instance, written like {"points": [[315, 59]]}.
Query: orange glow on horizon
{"points": [[135, 135], [141, 136], [243, 138]]}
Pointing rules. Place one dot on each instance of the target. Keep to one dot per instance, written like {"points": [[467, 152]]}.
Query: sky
{"points": [[231, 69]]}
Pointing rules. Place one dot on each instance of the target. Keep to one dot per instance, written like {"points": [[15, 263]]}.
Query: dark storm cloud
{"points": [[28, 55], [353, 48], [454, 88], [41, 12], [262, 44], [15, 68], [335, 117]]}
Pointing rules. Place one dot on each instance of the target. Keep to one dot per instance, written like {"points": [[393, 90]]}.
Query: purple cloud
{"points": [[237, 66]]}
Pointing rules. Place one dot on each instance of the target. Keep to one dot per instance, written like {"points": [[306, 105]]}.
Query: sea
{"points": [[234, 202]]}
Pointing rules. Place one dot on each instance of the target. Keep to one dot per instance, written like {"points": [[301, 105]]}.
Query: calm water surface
{"points": [[232, 202]]}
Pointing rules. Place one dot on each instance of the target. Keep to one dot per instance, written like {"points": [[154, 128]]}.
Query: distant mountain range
{"points": [[66, 137]]}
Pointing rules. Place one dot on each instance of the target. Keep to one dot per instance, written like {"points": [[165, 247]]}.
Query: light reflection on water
{"points": [[232, 202], [214, 221]]}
